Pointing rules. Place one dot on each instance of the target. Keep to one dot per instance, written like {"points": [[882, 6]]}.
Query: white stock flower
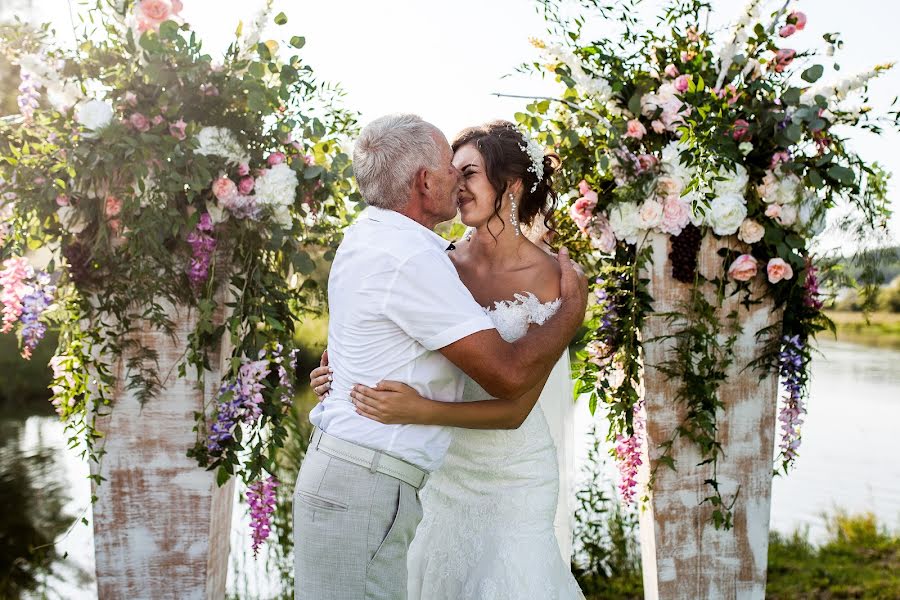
{"points": [[94, 114], [726, 213], [219, 141], [840, 89]]}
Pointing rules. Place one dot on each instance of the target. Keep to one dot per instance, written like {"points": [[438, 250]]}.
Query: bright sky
{"points": [[443, 60]]}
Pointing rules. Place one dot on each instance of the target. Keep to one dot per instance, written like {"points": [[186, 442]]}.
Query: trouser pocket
{"points": [[386, 573]]}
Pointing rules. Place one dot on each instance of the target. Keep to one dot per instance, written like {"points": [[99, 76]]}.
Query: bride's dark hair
{"points": [[500, 145]]}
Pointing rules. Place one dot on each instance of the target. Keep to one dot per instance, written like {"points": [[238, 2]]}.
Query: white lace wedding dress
{"points": [[488, 527]]}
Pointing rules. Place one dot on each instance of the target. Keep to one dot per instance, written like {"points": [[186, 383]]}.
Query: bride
{"points": [[495, 524]]}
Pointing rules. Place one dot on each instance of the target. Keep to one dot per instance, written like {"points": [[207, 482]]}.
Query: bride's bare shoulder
{"points": [[543, 275]]}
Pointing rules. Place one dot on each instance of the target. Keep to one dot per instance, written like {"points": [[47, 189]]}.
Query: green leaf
{"points": [[793, 133], [263, 51], [791, 96], [303, 263], [842, 174], [298, 41], [280, 18], [222, 477], [813, 74]]}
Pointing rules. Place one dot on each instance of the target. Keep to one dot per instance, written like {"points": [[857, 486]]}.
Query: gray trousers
{"points": [[352, 530]]}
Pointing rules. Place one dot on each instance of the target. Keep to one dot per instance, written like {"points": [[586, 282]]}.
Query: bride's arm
{"points": [[393, 402]]}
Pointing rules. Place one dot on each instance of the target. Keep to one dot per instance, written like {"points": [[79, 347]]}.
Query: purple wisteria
{"points": [[602, 347], [791, 369], [261, 499], [238, 402], [34, 304], [203, 246], [627, 451], [29, 95]]}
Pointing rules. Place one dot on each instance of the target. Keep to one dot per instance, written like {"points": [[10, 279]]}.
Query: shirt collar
{"points": [[400, 221]]}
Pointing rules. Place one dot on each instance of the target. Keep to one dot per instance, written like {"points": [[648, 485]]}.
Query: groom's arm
{"points": [[510, 370]]}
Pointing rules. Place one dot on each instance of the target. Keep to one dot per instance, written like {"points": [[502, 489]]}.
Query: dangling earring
{"points": [[514, 213]]}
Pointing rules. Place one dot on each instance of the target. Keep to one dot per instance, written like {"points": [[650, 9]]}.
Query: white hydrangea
{"points": [[732, 181], [625, 222], [726, 213], [672, 165], [94, 114], [219, 141], [277, 189]]}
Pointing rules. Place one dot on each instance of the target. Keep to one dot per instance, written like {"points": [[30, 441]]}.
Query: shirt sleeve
{"points": [[429, 302]]}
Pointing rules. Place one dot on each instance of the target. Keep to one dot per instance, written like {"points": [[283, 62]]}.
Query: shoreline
{"points": [[882, 330]]}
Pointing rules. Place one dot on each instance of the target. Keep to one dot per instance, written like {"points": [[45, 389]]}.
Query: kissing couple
{"points": [[433, 471]]}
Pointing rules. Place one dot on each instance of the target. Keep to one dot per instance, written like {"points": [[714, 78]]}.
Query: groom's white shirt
{"points": [[394, 299]]}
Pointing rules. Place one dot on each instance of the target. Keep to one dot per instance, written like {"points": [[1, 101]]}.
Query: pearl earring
{"points": [[514, 213]]}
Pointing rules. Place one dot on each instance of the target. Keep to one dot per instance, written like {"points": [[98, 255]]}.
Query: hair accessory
{"points": [[536, 154]]}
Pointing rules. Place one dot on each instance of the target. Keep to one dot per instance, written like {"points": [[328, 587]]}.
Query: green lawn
{"points": [[882, 329]]}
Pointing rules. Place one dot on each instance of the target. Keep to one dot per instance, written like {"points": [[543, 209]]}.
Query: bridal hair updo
{"points": [[387, 155], [501, 145]]}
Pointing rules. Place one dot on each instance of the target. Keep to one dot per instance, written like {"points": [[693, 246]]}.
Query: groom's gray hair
{"points": [[387, 155]]}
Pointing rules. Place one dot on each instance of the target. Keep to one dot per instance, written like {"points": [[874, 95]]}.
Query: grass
{"points": [[859, 559], [882, 330]]}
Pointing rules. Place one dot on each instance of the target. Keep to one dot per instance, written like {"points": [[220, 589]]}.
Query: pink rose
{"points": [[157, 120], [113, 206], [672, 71], [309, 159], [741, 130], [245, 185], [779, 157], [646, 161], [276, 158], [176, 6], [682, 82], [730, 94], [115, 225], [636, 129], [583, 187], [798, 19], [583, 210], [223, 188], [62, 200], [177, 129], [130, 98], [743, 268], [154, 10], [243, 169], [787, 31], [658, 126], [676, 216], [773, 211], [783, 58], [139, 122], [778, 270]]}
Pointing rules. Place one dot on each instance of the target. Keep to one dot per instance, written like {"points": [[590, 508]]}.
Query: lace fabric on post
{"points": [[489, 512]]}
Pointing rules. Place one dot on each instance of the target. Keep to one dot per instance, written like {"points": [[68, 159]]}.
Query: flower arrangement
{"points": [[158, 176], [675, 131]]}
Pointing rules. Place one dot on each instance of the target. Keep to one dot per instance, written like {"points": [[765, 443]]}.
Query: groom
{"points": [[398, 310]]}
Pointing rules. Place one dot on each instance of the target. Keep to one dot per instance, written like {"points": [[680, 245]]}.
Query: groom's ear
{"points": [[421, 181]]}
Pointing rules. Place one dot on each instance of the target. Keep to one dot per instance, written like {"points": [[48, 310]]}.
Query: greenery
{"points": [[156, 175], [675, 129]]}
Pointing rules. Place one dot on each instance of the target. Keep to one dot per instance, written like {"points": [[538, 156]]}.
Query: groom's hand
{"points": [[573, 287]]}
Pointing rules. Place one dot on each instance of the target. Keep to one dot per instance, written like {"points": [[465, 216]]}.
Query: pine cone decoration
{"points": [[683, 255]]}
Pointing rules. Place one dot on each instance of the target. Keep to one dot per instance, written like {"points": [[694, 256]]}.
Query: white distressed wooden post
{"points": [[161, 524], [684, 555]]}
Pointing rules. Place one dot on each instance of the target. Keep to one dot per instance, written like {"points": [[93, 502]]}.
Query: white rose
{"points": [[751, 231], [650, 214], [64, 95], [731, 182], [70, 220], [669, 185], [768, 187], [624, 221], [788, 215], [726, 213], [94, 114]]}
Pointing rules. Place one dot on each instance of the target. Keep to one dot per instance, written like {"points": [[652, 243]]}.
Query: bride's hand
{"points": [[389, 402], [320, 378]]}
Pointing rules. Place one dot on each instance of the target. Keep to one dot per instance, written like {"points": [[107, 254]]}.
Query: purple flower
{"points": [[261, 499], [811, 287], [34, 305], [792, 368], [228, 407], [203, 246], [28, 95]]}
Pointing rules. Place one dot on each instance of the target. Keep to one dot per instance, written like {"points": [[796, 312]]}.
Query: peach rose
{"points": [[743, 268], [778, 270], [658, 126], [154, 10], [636, 129], [751, 231], [113, 206], [223, 188]]}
